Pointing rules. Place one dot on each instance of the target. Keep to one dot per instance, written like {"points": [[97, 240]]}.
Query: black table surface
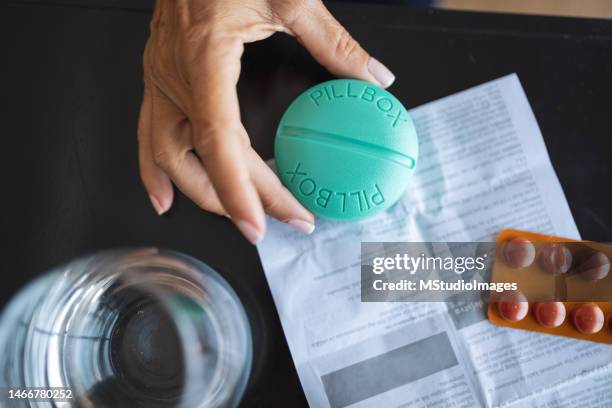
{"points": [[71, 85]]}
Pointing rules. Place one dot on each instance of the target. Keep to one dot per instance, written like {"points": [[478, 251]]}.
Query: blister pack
{"points": [[563, 286]]}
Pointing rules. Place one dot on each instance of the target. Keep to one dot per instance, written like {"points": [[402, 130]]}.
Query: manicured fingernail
{"points": [[380, 72], [159, 208], [249, 231], [302, 226]]}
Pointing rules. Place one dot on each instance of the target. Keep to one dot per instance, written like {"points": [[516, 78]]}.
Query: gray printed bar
{"points": [[387, 371]]}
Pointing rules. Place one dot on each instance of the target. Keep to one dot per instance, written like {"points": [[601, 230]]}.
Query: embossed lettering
{"points": [[343, 201], [362, 200], [315, 96], [348, 91], [397, 118], [327, 93], [358, 194], [369, 92], [295, 172], [384, 104], [379, 195], [365, 198], [334, 93], [323, 197], [307, 181]]}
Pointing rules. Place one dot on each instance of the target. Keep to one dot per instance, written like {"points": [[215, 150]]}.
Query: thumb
{"points": [[334, 48]]}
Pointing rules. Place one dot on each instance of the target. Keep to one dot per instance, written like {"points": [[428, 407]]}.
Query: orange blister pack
{"points": [[563, 286]]}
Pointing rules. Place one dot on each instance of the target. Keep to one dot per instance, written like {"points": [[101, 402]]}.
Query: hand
{"points": [[190, 132]]}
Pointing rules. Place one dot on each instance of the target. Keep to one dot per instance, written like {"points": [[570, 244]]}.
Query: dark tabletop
{"points": [[71, 85]]}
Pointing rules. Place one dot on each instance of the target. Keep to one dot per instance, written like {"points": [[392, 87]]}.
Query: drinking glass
{"points": [[130, 328]]}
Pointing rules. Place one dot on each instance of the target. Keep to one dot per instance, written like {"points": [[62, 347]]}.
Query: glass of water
{"points": [[138, 328]]}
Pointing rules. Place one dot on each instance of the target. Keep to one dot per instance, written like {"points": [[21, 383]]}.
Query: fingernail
{"points": [[249, 231], [302, 226], [159, 208], [380, 72]]}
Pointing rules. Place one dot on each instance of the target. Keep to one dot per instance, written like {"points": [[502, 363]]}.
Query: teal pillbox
{"points": [[346, 149]]}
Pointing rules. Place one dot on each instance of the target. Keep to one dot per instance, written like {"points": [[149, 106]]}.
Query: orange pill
{"points": [[588, 318], [595, 267], [513, 307], [555, 259], [549, 314], [519, 252]]}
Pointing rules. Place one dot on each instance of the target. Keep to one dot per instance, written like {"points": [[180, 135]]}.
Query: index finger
{"points": [[219, 137]]}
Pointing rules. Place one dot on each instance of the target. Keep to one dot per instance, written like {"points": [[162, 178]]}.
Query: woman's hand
{"points": [[190, 132]]}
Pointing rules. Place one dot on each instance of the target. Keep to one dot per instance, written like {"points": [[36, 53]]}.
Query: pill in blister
{"points": [[519, 252], [549, 314], [555, 259], [513, 307], [595, 267], [588, 318]]}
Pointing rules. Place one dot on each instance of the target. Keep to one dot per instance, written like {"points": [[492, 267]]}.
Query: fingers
{"points": [[219, 137], [165, 142], [156, 182], [171, 144], [334, 48], [276, 199]]}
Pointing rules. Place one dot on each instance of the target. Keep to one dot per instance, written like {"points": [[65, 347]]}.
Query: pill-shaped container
{"points": [[346, 149]]}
